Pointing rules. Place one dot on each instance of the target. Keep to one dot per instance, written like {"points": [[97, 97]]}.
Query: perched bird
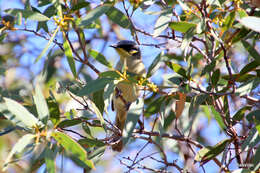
{"points": [[126, 92]]}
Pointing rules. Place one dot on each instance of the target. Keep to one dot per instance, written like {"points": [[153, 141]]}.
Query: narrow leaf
{"points": [[69, 55], [218, 118], [118, 17], [177, 68], [94, 14], [251, 22], [249, 67], [18, 148], [28, 14], [162, 23], [251, 50], [98, 99], [47, 46], [41, 105], [182, 26], [133, 115], [155, 65], [71, 146], [99, 57], [49, 160], [54, 110], [94, 86], [210, 152], [215, 77], [21, 113]]}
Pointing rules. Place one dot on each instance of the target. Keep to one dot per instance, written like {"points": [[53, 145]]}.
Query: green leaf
{"points": [[169, 119], [177, 68], [256, 159], [98, 99], [118, 17], [69, 123], [91, 142], [18, 148], [28, 14], [251, 141], [47, 46], [54, 110], [71, 146], [154, 107], [215, 77], [251, 50], [40, 103], [254, 115], [109, 74], [210, 152], [133, 115], [247, 87], [94, 86], [99, 57], [94, 14], [21, 113], [229, 20], [98, 113], [208, 68], [249, 67], [162, 22], [155, 65], [79, 5], [240, 114], [218, 118], [182, 26], [49, 157], [69, 55], [251, 22]]}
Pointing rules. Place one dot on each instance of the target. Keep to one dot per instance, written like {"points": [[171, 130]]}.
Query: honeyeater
{"points": [[126, 91]]}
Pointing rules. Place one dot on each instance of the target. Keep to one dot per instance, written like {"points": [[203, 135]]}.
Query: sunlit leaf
{"points": [[40, 103], [210, 152], [94, 14], [18, 148], [71, 146], [99, 57], [47, 46], [251, 22], [154, 107], [118, 17], [54, 110], [177, 68], [182, 26], [28, 14], [251, 50], [133, 115], [21, 113], [94, 86], [155, 64], [218, 118], [162, 22]]}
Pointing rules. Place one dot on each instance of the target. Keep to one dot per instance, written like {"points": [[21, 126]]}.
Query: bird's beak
{"points": [[113, 45]]}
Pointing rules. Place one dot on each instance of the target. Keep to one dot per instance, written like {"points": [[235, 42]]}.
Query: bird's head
{"points": [[127, 49]]}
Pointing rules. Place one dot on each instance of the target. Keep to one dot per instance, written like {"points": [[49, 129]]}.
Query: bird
{"points": [[126, 92]]}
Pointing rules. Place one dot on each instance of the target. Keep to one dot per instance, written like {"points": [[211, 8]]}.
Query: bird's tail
{"points": [[120, 123]]}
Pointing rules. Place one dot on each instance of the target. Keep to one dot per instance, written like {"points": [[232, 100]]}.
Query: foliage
{"points": [[202, 61]]}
